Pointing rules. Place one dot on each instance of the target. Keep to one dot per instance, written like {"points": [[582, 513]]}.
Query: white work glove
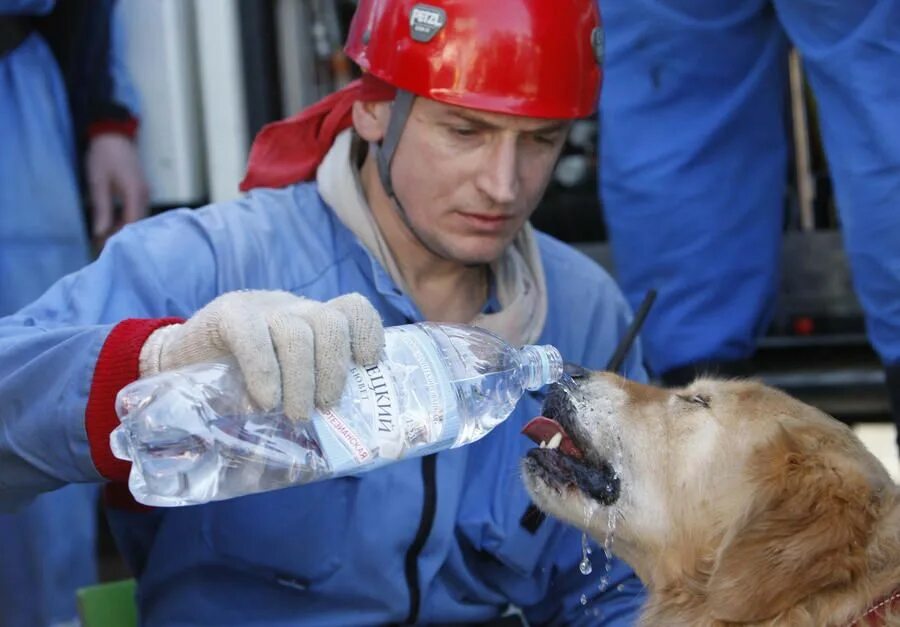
{"points": [[288, 348]]}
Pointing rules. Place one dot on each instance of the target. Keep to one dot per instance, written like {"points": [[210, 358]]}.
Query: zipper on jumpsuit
{"points": [[429, 508]]}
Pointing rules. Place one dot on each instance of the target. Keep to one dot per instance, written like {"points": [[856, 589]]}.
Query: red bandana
{"points": [[290, 150]]}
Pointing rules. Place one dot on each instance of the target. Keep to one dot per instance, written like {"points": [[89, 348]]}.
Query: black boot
{"points": [[892, 378], [684, 375]]}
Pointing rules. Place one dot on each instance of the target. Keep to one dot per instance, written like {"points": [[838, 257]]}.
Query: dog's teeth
{"points": [[543, 444], [555, 440]]}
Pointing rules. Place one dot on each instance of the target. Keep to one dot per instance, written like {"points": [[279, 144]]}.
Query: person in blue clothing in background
{"points": [[48, 549], [403, 197], [694, 157]]}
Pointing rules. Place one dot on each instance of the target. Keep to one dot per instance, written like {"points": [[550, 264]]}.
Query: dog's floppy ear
{"points": [[806, 530]]}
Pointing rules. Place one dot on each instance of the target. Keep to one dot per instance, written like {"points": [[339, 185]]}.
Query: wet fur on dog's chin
{"points": [[553, 500], [775, 515]]}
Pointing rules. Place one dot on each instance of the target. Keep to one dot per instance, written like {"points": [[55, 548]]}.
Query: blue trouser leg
{"points": [[851, 52], [693, 166], [49, 551], [42, 232]]}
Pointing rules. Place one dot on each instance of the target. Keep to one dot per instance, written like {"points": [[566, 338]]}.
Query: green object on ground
{"points": [[108, 605]]}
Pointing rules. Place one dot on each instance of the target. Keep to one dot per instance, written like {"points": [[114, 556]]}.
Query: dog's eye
{"points": [[696, 399]]}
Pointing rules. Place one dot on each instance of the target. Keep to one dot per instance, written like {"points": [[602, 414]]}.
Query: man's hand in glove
{"points": [[291, 351]]}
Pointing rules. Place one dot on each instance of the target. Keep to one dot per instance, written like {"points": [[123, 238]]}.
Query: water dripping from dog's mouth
{"points": [[564, 465]]}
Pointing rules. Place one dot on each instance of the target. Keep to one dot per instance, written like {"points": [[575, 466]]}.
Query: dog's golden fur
{"points": [[739, 505]]}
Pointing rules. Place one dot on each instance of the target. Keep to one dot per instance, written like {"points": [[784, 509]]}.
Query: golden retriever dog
{"points": [[734, 503]]}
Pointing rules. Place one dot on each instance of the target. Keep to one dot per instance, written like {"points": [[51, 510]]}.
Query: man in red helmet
{"points": [[401, 198]]}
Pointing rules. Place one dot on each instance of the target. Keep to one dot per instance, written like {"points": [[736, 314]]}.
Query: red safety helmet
{"points": [[535, 58]]}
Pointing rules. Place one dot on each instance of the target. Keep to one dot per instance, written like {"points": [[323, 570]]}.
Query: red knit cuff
{"points": [[117, 366], [128, 128]]}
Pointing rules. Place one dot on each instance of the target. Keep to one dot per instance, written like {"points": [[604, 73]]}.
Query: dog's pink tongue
{"points": [[542, 429]]}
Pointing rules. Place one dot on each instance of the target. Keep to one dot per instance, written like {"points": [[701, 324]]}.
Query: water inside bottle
{"points": [[194, 435]]}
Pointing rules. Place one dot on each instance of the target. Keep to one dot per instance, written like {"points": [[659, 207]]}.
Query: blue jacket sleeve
{"points": [[49, 349], [87, 39], [123, 90]]}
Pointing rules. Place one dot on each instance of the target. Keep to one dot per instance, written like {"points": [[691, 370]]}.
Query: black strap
{"points": [[384, 153], [14, 29], [532, 519]]}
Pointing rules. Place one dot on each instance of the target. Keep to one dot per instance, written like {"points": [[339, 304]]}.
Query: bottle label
{"points": [[381, 404], [349, 438], [432, 420], [401, 406]]}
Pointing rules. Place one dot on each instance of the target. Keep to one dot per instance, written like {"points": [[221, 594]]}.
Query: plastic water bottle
{"points": [[193, 434]]}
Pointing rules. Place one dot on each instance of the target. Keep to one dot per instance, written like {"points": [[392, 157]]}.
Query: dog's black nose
{"points": [[575, 371]]}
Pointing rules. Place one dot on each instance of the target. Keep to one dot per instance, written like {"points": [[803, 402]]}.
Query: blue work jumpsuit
{"points": [[437, 539], [48, 550], [694, 155]]}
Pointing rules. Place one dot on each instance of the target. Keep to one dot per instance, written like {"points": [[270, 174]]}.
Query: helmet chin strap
{"points": [[384, 156]]}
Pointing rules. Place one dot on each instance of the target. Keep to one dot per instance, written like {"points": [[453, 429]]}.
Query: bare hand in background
{"points": [[114, 174]]}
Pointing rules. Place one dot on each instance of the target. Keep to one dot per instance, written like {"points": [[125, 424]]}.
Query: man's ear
{"points": [[807, 530], [370, 119]]}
